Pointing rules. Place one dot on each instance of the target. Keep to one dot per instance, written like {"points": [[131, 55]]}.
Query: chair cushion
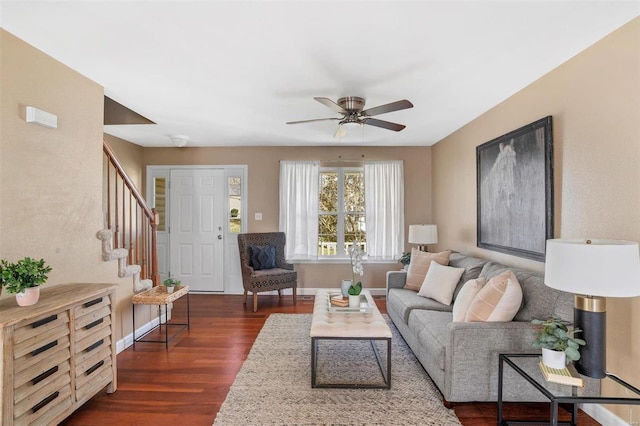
{"points": [[262, 257]]}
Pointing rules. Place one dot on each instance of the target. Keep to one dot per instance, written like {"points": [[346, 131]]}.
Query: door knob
{"points": [[219, 237]]}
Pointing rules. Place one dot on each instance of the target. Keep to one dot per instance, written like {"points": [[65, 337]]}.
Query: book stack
{"points": [[339, 301], [565, 376]]}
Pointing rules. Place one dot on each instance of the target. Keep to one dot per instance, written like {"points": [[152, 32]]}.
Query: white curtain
{"points": [[299, 186], [384, 207]]}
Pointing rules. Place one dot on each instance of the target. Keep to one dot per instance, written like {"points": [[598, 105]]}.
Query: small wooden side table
{"points": [[159, 296]]}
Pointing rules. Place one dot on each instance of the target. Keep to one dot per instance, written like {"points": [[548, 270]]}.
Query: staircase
{"points": [[131, 227]]}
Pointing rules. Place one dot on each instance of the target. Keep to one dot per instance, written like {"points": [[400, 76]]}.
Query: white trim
{"points": [[127, 340], [602, 415]]}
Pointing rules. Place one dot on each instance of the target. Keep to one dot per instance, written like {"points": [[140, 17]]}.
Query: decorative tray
{"points": [[366, 305]]}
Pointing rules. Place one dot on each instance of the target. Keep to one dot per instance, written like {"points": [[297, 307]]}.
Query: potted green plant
{"points": [[23, 279], [171, 283], [405, 259], [557, 341]]}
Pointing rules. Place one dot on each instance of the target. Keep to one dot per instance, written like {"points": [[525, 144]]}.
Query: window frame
{"points": [[341, 213]]}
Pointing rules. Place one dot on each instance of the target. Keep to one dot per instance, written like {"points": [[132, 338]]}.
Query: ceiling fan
{"points": [[351, 108]]}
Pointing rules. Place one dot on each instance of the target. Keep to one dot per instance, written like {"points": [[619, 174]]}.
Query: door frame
{"points": [[232, 277]]}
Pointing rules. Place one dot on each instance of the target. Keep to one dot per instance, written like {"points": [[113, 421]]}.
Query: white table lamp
{"points": [[593, 270], [423, 235]]}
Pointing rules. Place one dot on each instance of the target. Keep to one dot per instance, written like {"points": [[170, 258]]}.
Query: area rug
{"points": [[273, 386]]}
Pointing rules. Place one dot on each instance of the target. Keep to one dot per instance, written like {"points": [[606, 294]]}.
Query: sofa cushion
{"points": [[498, 301], [538, 300], [262, 257], [440, 283], [432, 330], [469, 291], [472, 268], [403, 301], [420, 261]]}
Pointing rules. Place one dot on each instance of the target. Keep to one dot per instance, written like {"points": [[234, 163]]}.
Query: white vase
{"points": [[345, 287], [354, 301], [28, 297], [554, 359]]}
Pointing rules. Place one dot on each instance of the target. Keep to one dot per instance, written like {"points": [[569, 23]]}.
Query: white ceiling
{"points": [[233, 72]]}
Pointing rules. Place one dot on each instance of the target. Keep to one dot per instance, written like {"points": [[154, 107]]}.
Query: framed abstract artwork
{"points": [[515, 191]]}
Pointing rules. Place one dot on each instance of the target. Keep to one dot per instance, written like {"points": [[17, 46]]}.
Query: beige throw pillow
{"points": [[498, 301], [440, 283], [466, 295], [419, 265]]}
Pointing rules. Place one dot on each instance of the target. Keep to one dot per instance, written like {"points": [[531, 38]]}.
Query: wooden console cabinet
{"points": [[56, 354]]}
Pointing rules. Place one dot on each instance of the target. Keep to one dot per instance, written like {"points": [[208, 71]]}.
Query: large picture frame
{"points": [[515, 191]]}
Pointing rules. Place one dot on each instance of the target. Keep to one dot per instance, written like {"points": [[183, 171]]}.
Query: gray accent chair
{"points": [[255, 281]]}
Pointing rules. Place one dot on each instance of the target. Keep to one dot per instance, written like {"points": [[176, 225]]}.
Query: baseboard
{"points": [[602, 415], [127, 340]]}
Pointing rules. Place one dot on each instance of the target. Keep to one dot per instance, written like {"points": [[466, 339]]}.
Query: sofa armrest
{"points": [[396, 279], [473, 356]]}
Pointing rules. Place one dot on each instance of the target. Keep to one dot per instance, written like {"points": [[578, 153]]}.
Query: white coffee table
{"points": [[366, 323]]}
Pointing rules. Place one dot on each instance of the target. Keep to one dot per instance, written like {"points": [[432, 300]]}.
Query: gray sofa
{"points": [[462, 358]]}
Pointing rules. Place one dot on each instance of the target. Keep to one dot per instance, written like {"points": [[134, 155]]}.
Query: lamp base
{"points": [[423, 247], [589, 314]]}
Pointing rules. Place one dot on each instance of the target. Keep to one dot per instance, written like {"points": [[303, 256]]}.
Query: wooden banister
{"points": [[133, 223]]}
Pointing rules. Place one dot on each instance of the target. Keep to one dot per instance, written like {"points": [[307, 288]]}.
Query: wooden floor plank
{"points": [[187, 384]]}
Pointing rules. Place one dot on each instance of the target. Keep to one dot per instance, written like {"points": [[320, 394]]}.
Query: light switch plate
{"points": [[258, 216]]}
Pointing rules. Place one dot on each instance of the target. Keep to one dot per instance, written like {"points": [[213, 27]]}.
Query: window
{"points": [[341, 216], [235, 204], [160, 201]]}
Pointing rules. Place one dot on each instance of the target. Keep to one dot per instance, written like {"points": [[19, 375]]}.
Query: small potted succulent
{"points": [[558, 343], [23, 278], [170, 284]]}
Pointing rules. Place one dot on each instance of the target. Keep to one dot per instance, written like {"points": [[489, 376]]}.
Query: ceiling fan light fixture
{"points": [[179, 140]]}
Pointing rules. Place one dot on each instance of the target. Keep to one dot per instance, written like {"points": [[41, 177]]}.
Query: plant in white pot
{"points": [[557, 341], [23, 279], [170, 284]]}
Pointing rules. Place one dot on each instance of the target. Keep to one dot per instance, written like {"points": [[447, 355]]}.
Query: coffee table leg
{"points": [[314, 360]]}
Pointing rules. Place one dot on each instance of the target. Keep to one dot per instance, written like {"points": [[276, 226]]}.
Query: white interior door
{"points": [[196, 228]]}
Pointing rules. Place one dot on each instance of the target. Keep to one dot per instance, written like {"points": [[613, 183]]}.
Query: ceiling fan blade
{"points": [[393, 106], [329, 103], [312, 120], [384, 124]]}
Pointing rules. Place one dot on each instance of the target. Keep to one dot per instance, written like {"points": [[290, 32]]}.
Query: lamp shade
{"points": [[609, 268], [423, 234]]}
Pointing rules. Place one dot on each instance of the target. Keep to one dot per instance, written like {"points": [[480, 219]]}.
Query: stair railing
{"points": [[133, 223]]}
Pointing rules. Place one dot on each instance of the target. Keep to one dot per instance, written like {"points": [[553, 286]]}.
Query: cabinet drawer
{"points": [[42, 325], [94, 378], [59, 359], [29, 396], [48, 409], [93, 328], [92, 310]]}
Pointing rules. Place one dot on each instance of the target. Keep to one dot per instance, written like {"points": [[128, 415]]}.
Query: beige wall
{"points": [[131, 157], [594, 99], [51, 179], [264, 173]]}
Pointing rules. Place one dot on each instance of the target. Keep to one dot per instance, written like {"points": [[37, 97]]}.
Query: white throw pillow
{"points": [[440, 283], [419, 266], [498, 301], [466, 295]]}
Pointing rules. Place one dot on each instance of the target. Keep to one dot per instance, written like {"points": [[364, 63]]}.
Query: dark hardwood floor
{"points": [[187, 384]]}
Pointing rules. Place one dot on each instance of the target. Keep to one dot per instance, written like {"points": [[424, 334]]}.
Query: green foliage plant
{"points": [[171, 282], [355, 290], [555, 334], [24, 274], [405, 259]]}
